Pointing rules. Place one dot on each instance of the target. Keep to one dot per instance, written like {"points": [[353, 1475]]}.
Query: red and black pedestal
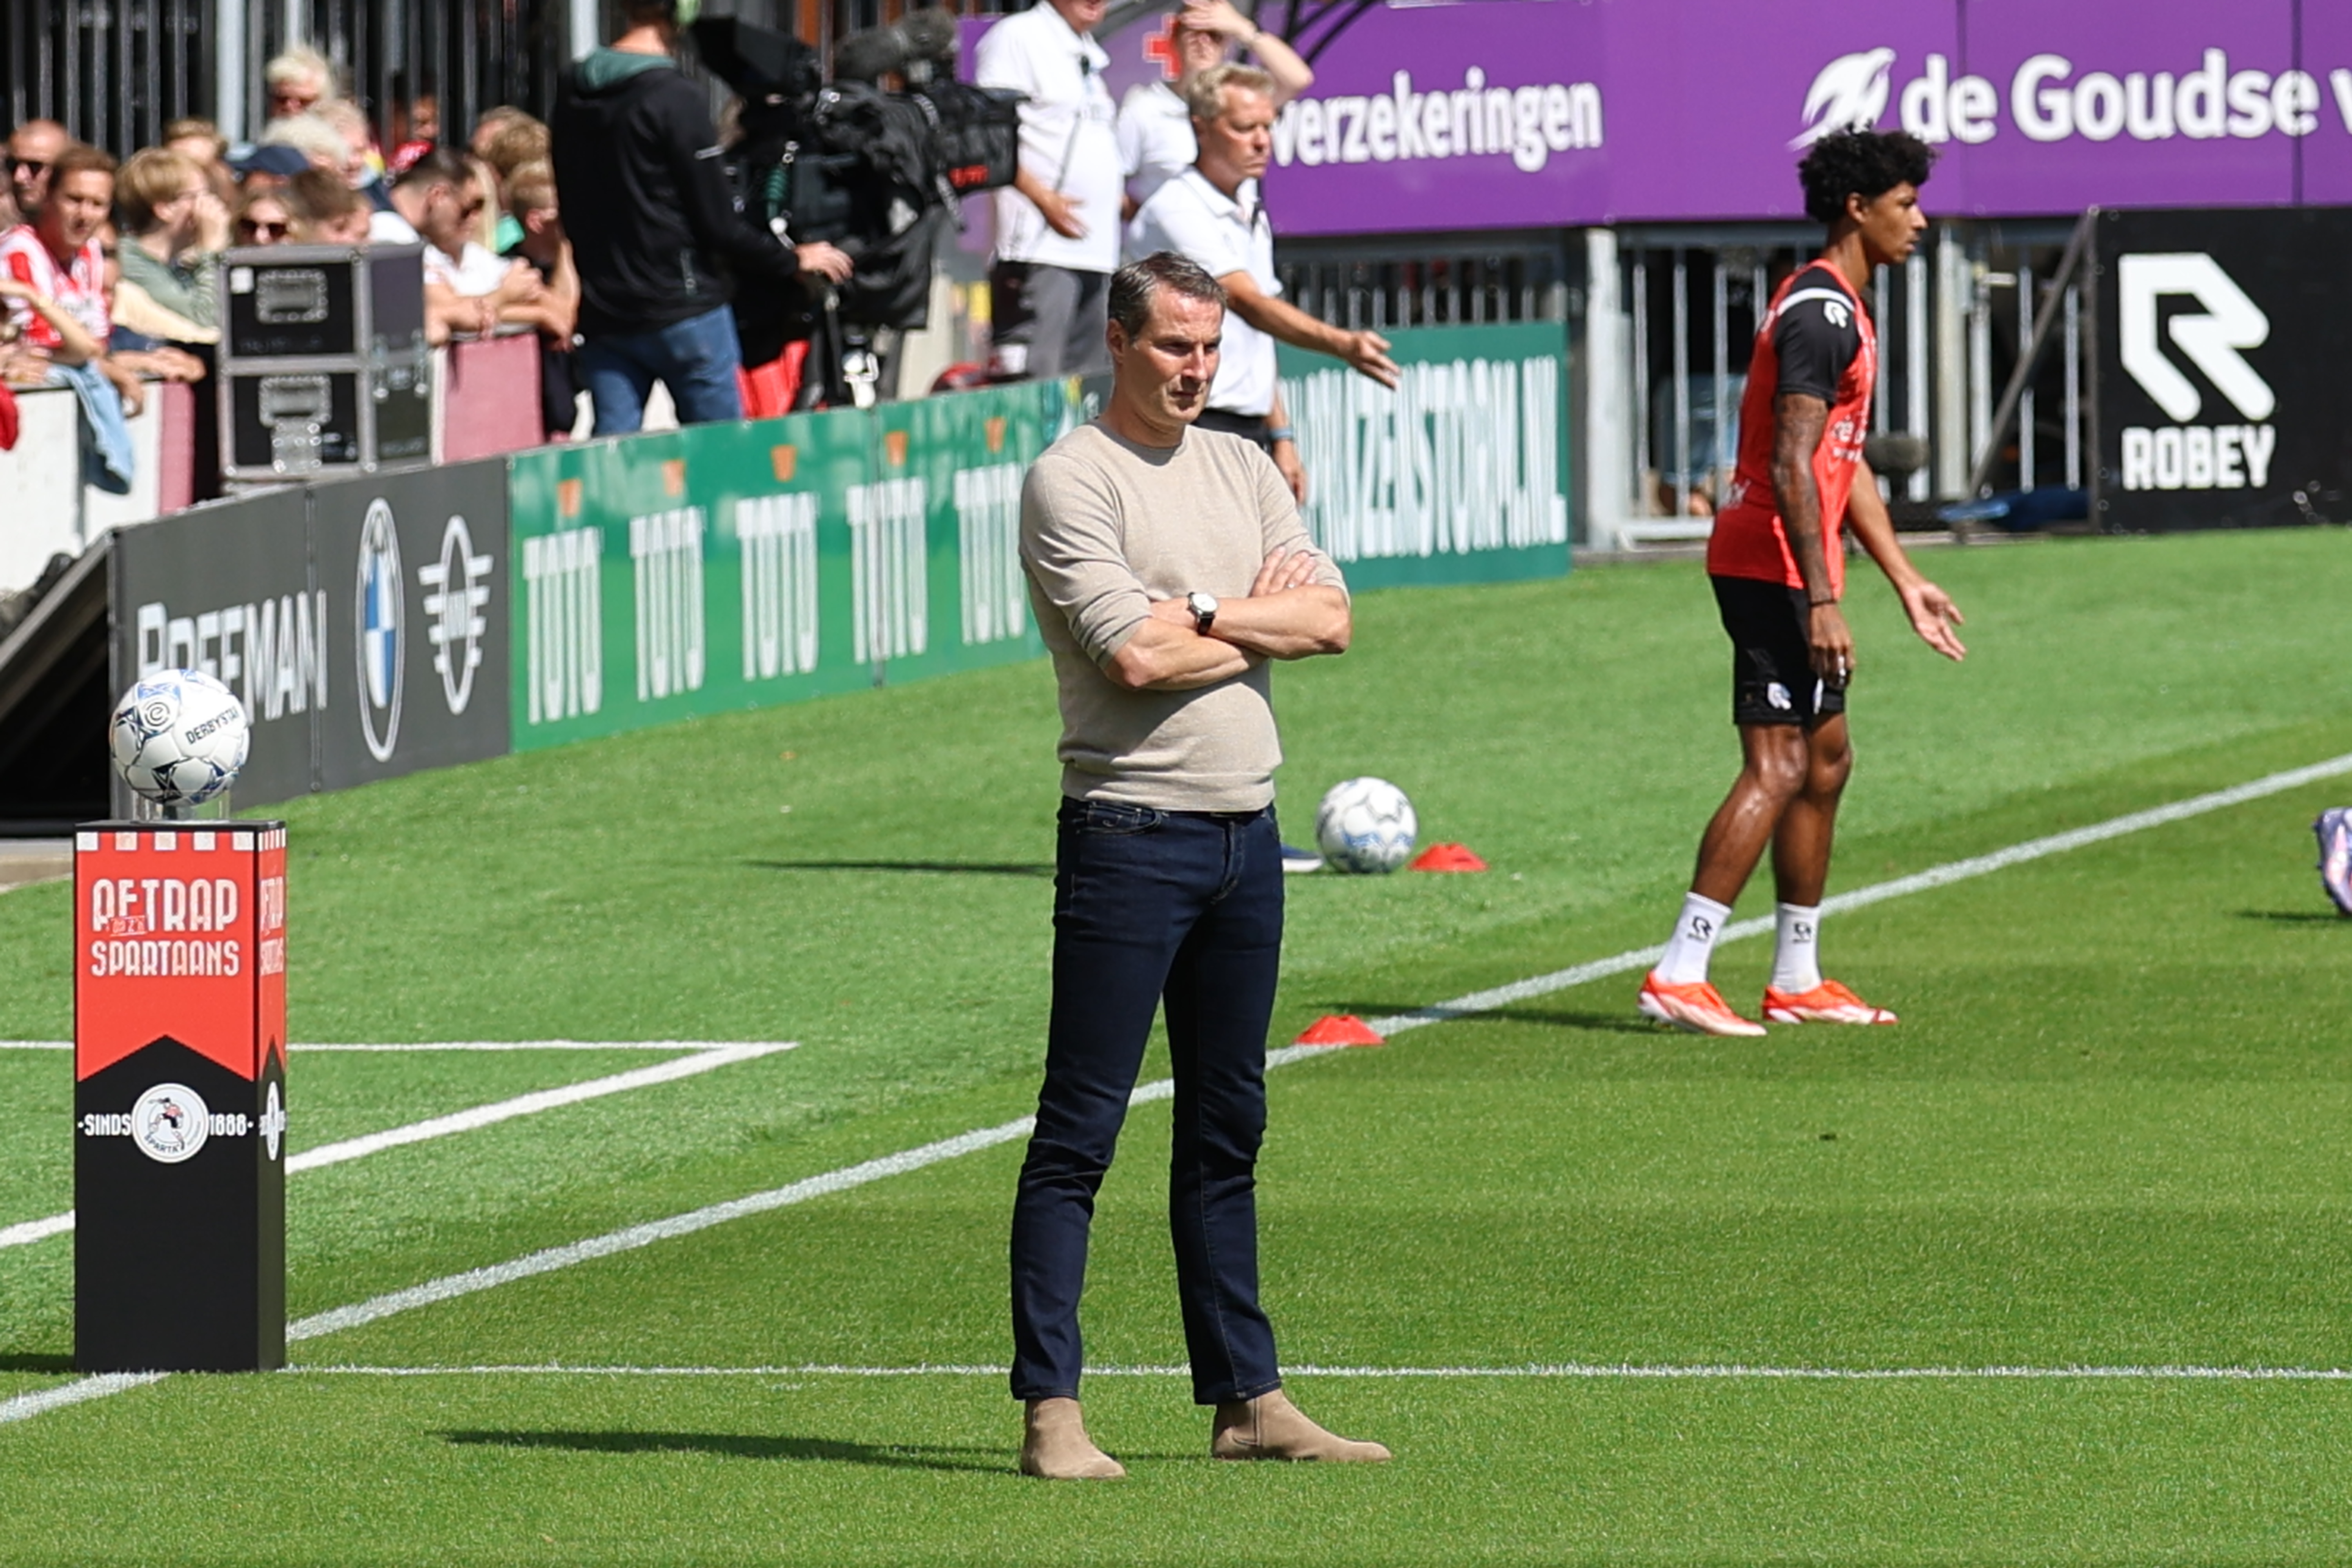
{"points": [[179, 1097]]}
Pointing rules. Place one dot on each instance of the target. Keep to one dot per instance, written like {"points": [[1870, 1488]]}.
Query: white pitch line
{"points": [[306, 1047], [1586, 1371], [702, 1061], [25, 1406], [1934, 877], [451, 1287]]}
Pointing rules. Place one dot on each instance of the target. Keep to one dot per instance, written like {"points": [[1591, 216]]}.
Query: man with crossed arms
{"points": [[1167, 567]]}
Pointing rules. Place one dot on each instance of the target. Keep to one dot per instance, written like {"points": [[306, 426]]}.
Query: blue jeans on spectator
{"points": [[1152, 906], [697, 359]]}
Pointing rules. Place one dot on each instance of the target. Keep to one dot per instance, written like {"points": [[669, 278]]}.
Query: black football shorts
{"points": [[1772, 678]]}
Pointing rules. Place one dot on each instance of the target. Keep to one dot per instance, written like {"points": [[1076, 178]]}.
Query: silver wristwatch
{"points": [[1204, 610]]}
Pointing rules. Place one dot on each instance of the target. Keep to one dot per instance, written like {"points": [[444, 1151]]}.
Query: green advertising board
{"points": [[1459, 475], [730, 566]]}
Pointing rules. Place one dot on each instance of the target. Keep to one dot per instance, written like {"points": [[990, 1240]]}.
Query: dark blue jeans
{"points": [[697, 360], [1153, 905]]}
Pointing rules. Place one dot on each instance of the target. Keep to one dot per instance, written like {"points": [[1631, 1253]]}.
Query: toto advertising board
{"points": [[1532, 113], [732, 566], [361, 622], [2220, 368]]}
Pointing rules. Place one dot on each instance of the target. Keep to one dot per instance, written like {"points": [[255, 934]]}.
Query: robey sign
{"points": [[2221, 349]]}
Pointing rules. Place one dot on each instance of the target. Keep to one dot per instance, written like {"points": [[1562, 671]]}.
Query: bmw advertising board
{"points": [[2220, 354], [229, 590], [413, 568]]}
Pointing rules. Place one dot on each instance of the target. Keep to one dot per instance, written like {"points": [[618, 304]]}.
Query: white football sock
{"points": [[1797, 960], [1693, 943]]}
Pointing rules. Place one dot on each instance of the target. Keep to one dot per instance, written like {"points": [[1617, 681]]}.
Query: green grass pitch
{"points": [[2114, 1130]]}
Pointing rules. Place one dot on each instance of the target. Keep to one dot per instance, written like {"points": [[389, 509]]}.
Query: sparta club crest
{"points": [[170, 1122]]}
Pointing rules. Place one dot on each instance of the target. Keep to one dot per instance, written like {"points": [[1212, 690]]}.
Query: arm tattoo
{"points": [[1798, 421]]}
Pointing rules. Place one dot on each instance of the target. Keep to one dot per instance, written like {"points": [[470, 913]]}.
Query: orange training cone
{"points": [[1448, 858], [1339, 1029]]}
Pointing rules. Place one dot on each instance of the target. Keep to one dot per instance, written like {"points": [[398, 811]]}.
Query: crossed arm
{"points": [[1287, 615]]}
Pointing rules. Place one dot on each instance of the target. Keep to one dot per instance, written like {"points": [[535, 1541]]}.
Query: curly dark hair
{"points": [[1863, 163]]}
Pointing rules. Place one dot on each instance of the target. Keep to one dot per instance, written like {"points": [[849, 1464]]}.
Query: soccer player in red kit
{"points": [[1778, 564]]}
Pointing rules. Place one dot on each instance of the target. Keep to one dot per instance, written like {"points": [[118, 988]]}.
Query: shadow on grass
{"points": [[2293, 916], [752, 1446], [940, 867], [22, 1361]]}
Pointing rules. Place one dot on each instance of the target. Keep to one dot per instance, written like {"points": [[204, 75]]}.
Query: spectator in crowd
{"points": [[263, 216], [297, 80], [1058, 223], [362, 164], [467, 290], [654, 232], [493, 120], [201, 142], [326, 210], [1211, 214], [311, 135], [1155, 123], [22, 362], [267, 168], [33, 147], [59, 259], [521, 140], [143, 337], [416, 136], [531, 202], [174, 231]]}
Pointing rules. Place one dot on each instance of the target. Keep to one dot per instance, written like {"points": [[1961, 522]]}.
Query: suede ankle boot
{"points": [[1055, 1447], [1271, 1428]]}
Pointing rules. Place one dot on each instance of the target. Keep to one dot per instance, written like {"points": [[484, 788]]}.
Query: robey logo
{"points": [[377, 611], [2182, 454]]}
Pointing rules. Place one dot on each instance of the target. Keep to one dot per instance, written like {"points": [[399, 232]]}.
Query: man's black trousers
{"points": [[1153, 905]]}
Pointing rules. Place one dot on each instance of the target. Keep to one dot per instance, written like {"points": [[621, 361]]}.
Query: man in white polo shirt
{"points": [[1212, 214], [1155, 126], [1057, 223]]}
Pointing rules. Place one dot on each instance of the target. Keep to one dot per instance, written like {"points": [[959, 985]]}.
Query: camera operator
{"points": [[654, 232], [1057, 227]]}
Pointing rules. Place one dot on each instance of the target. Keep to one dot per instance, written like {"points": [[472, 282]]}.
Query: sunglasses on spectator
{"points": [[33, 165], [260, 228]]}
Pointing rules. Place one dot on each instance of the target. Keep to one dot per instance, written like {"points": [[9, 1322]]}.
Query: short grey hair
{"points": [[1205, 95], [308, 133], [1134, 286]]}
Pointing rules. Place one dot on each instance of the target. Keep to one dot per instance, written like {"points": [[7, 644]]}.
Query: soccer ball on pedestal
{"points": [[1365, 825], [179, 737]]}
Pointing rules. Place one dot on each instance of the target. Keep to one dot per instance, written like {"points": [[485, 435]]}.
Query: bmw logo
{"points": [[378, 610]]}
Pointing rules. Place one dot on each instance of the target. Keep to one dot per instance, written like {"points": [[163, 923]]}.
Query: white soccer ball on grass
{"points": [[1364, 825], [179, 737]]}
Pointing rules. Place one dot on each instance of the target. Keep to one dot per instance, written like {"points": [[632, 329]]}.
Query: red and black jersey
{"points": [[1819, 340]]}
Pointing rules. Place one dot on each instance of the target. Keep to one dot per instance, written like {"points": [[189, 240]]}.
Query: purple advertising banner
{"points": [[1533, 113]]}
